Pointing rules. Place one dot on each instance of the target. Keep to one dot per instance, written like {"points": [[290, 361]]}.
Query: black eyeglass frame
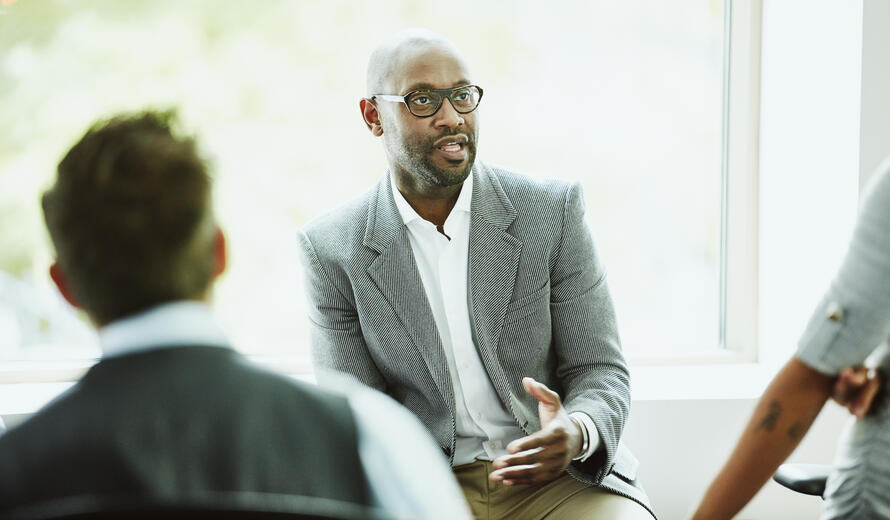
{"points": [[445, 93]]}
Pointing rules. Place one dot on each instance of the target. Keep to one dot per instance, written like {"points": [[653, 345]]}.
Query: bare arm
{"points": [[783, 416]]}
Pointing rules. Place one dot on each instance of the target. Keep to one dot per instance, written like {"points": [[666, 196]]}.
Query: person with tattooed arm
{"points": [[851, 323]]}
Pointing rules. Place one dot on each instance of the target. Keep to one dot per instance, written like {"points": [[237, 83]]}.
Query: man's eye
{"points": [[462, 96], [421, 100]]}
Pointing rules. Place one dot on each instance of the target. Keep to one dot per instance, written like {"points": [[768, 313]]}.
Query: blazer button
{"points": [[835, 312]]}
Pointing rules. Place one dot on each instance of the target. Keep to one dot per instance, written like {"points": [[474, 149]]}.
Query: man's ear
{"points": [[371, 116], [58, 277], [219, 253]]}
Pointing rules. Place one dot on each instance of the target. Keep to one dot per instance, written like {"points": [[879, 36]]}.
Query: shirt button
{"points": [[835, 312]]}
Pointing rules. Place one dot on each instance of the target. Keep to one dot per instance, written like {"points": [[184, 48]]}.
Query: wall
{"points": [[682, 444], [875, 119]]}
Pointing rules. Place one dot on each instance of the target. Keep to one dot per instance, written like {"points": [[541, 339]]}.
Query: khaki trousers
{"points": [[563, 498]]}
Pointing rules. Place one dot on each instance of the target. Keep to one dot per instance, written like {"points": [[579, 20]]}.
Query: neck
{"points": [[99, 323], [432, 203], [432, 210]]}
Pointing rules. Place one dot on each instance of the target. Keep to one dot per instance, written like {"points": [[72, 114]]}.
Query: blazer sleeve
{"points": [[335, 335], [590, 365]]}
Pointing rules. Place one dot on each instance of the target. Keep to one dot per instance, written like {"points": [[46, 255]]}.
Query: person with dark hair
{"points": [[474, 296], [171, 414]]}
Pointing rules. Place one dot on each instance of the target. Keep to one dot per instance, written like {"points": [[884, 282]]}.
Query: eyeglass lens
{"points": [[463, 99]]}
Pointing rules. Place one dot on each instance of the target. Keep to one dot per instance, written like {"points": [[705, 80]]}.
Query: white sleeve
{"points": [[591, 433], [408, 474]]}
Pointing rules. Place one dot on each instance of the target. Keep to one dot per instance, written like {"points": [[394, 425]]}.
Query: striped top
{"points": [[851, 323]]}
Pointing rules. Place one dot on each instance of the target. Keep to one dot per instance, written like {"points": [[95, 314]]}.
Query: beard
{"points": [[416, 156]]}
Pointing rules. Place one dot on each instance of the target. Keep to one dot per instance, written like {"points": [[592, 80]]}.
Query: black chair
{"points": [[225, 506], [808, 479]]}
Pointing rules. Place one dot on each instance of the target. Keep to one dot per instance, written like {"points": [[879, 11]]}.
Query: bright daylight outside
{"points": [[624, 97]]}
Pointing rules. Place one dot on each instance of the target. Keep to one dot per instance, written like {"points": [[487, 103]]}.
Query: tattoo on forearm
{"points": [[796, 431], [772, 417], [799, 429]]}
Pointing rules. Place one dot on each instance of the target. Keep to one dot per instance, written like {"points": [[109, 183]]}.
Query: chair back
{"points": [[808, 479]]}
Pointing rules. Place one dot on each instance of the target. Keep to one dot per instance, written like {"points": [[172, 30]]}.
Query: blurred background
{"points": [[625, 97]]}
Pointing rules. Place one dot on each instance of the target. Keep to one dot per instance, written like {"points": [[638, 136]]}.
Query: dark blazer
{"points": [[176, 424], [539, 307]]}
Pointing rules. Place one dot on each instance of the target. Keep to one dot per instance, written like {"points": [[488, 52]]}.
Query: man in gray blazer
{"points": [[473, 296]]}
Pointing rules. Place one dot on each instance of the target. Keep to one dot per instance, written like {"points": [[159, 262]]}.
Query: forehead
{"points": [[427, 66]]}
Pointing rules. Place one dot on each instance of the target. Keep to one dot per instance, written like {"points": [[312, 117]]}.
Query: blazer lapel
{"points": [[396, 276], [493, 261]]}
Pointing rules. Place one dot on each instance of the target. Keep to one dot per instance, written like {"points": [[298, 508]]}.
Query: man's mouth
{"points": [[453, 147]]}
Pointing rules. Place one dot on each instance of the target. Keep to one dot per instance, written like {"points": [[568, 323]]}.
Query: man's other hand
{"points": [[544, 455], [856, 389]]}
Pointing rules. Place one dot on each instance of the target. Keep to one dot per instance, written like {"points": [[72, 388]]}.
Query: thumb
{"points": [[540, 392]]}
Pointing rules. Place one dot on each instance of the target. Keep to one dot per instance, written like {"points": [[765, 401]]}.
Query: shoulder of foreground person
{"points": [[408, 474]]}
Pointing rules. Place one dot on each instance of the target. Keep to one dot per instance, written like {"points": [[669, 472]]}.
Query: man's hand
{"points": [[856, 389], [544, 455]]}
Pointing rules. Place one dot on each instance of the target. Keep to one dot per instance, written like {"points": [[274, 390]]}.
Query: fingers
{"points": [[534, 467], [547, 437], [855, 377], [515, 474], [856, 389], [540, 392], [523, 458], [532, 459], [540, 466], [861, 403], [849, 384], [543, 455], [527, 474], [529, 457]]}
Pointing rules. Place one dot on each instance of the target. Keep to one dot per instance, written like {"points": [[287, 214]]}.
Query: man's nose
{"points": [[447, 116]]}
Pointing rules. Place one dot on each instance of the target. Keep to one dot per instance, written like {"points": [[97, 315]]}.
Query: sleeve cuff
{"points": [[591, 435]]}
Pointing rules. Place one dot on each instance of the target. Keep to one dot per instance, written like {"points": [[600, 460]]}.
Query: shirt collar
{"points": [[408, 214], [172, 324]]}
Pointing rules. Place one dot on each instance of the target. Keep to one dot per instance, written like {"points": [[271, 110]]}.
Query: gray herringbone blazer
{"points": [[539, 307]]}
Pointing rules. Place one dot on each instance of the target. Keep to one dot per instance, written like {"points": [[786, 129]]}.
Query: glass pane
{"points": [[638, 122], [632, 110]]}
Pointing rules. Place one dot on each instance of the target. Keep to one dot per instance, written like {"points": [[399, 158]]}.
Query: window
{"points": [[630, 98]]}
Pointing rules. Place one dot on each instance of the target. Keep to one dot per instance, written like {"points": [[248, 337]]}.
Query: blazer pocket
{"points": [[527, 304]]}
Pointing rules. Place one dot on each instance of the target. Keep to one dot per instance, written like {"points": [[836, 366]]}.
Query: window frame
{"points": [[737, 340]]}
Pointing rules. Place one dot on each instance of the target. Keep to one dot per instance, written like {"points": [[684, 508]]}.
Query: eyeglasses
{"points": [[426, 102]]}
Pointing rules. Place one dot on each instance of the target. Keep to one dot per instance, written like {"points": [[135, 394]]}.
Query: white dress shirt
{"points": [[399, 457], [483, 426]]}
